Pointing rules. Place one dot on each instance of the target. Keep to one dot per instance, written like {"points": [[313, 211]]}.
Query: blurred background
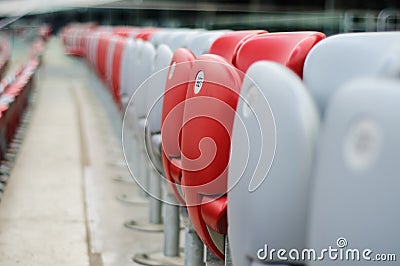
{"points": [[329, 16]]}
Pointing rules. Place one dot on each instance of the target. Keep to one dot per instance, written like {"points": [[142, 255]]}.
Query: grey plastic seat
{"points": [[136, 65], [148, 100], [200, 44], [343, 57], [273, 139], [157, 37], [182, 38], [139, 70], [193, 34], [356, 188], [161, 36], [148, 122], [143, 111], [133, 33], [127, 67], [154, 100], [110, 58], [142, 68], [93, 44], [75, 38]]}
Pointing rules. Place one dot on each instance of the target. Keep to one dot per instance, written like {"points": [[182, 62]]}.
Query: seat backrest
{"points": [[172, 114], [92, 47], [143, 67], [89, 44], [273, 141], [116, 69], [342, 57], [94, 43], [200, 44], [158, 38], [181, 39], [124, 31], [109, 61], [86, 42], [287, 48], [154, 100], [128, 58], [227, 44], [145, 33], [207, 123], [84, 31], [356, 180], [104, 41], [209, 110], [174, 38], [155, 97], [74, 38]]}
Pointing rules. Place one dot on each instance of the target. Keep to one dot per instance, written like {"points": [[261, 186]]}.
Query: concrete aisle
{"points": [[60, 206], [42, 215]]}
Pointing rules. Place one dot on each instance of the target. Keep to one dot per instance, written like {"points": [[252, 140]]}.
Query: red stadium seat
{"points": [[116, 70], [13, 102], [92, 46], [172, 115], [3, 128], [124, 31], [175, 95], [227, 44], [145, 33], [209, 113], [104, 41], [286, 48]]}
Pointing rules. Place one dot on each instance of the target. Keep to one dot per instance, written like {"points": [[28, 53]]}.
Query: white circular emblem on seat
{"points": [[199, 82], [362, 144]]}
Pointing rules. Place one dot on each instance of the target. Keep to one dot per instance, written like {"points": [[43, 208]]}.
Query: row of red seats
{"points": [[43, 33], [198, 113], [15, 91]]}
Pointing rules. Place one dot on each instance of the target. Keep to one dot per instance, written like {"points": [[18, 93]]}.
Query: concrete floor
{"points": [[60, 206]]}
